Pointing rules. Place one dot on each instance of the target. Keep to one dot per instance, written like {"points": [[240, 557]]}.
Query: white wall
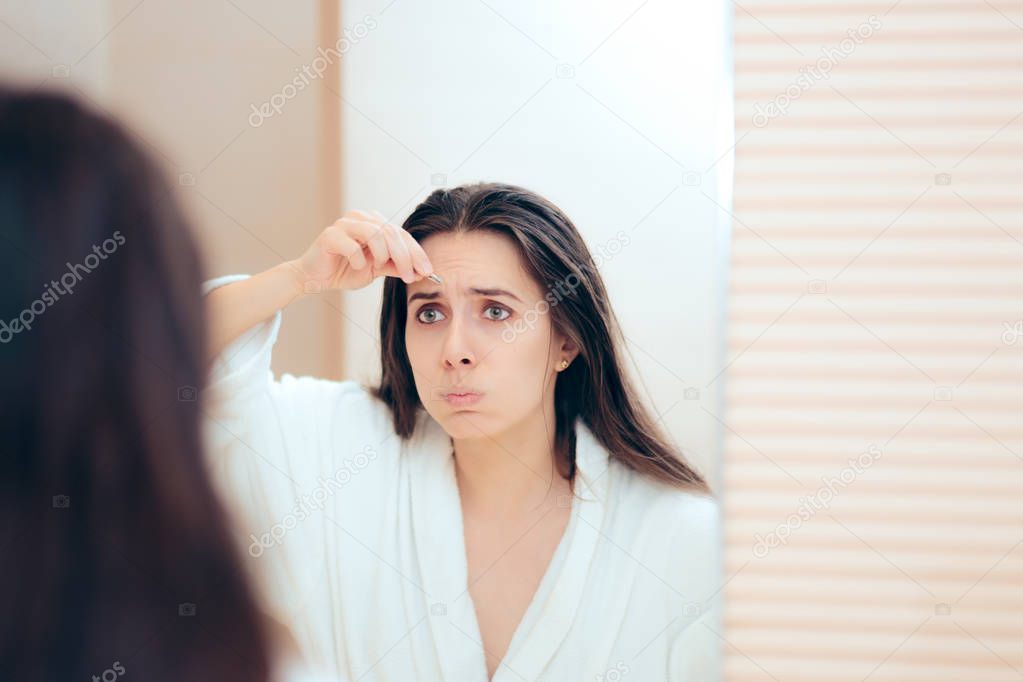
{"points": [[628, 142]]}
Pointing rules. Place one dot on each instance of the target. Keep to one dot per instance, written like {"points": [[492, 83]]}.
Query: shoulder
{"points": [[325, 395], [681, 510], [641, 502], [685, 525], [337, 410], [335, 430], [294, 670]]}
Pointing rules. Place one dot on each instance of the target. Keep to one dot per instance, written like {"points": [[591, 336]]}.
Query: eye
{"points": [[426, 309], [500, 309]]}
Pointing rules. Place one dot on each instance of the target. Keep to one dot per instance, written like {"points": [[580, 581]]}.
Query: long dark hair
{"points": [[116, 555], [594, 387]]}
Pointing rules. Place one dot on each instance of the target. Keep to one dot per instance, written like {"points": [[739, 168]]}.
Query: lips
{"points": [[461, 397], [461, 392]]}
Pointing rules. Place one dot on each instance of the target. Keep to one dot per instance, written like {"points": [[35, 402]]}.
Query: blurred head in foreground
{"points": [[117, 558]]}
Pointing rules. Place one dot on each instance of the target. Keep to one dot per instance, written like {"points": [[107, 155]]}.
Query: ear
{"points": [[569, 349]]}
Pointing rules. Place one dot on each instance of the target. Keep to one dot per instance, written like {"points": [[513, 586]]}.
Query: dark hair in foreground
{"points": [[594, 387], [117, 557]]}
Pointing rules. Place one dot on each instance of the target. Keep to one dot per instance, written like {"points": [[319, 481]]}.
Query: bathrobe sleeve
{"points": [[280, 453], [695, 651]]}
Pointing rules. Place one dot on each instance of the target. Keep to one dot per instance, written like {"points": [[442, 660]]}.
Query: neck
{"points": [[508, 474]]}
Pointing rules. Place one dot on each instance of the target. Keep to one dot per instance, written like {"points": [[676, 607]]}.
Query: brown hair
{"points": [[594, 387], [117, 557]]}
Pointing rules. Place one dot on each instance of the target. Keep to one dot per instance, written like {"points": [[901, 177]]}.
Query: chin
{"points": [[465, 424]]}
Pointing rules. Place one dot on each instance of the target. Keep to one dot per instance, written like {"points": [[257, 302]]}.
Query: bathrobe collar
{"points": [[440, 546]]}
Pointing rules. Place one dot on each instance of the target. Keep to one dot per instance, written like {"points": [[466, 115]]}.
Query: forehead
{"points": [[478, 258]]}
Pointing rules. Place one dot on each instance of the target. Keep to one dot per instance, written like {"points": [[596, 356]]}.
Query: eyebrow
{"points": [[433, 295]]}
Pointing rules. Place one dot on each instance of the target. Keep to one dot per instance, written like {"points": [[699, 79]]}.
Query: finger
{"points": [[399, 253], [419, 258], [361, 215], [369, 234], [388, 269], [337, 242]]}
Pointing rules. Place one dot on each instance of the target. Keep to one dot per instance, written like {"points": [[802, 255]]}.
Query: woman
{"points": [[501, 506], [116, 555]]}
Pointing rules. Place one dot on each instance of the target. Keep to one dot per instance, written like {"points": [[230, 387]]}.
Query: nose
{"points": [[457, 351]]}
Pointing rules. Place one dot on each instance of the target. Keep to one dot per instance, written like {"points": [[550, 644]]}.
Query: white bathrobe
{"points": [[357, 540]]}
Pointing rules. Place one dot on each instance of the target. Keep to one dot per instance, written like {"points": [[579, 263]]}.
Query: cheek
{"points": [[523, 359], [419, 339], [419, 355]]}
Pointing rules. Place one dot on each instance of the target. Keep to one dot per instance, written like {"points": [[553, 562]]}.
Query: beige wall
{"points": [[185, 75]]}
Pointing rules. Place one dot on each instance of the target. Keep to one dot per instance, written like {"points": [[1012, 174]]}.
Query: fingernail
{"points": [[436, 278]]}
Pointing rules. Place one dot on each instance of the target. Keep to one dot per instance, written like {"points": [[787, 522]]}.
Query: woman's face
{"points": [[486, 329]]}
